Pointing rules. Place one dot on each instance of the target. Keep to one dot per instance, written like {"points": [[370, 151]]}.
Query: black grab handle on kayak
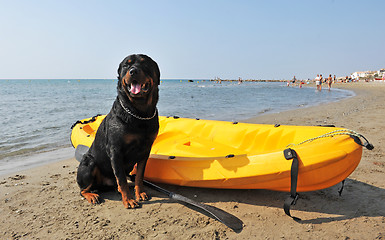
{"points": [[291, 154], [366, 144]]}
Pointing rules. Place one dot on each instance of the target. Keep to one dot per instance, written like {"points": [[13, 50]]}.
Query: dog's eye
{"points": [[125, 69], [146, 87]]}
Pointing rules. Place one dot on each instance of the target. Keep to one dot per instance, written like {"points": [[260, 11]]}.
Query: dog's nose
{"points": [[133, 71]]}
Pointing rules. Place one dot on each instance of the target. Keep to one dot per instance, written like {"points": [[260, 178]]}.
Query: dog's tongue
{"points": [[135, 88]]}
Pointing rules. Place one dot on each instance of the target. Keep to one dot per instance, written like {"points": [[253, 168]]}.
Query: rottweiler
{"points": [[125, 136]]}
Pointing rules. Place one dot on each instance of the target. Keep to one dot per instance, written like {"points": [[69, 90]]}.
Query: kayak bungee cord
{"points": [[337, 133]]}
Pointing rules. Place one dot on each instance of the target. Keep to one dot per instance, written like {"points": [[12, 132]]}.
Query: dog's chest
{"points": [[135, 140], [137, 145]]}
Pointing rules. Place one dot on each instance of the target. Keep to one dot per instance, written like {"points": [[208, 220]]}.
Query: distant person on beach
{"points": [[329, 81], [293, 81], [317, 82], [320, 81], [334, 79]]}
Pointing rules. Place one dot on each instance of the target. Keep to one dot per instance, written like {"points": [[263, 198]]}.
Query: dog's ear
{"points": [[121, 65], [157, 72], [153, 66]]}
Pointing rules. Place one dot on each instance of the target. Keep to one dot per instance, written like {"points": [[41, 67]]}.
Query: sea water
{"points": [[36, 115]]}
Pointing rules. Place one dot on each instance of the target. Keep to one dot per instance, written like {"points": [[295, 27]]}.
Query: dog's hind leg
{"points": [[86, 177]]}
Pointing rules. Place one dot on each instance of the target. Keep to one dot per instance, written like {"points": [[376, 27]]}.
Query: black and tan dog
{"points": [[126, 135]]}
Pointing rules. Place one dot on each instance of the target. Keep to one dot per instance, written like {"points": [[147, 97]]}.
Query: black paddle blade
{"points": [[229, 220], [226, 218], [80, 151]]}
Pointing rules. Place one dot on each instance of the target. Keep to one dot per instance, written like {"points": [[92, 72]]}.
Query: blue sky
{"points": [[191, 39]]}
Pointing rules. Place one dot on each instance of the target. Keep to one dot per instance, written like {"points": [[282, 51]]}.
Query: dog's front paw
{"points": [[140, 195], [127, 198], [130, 203]]}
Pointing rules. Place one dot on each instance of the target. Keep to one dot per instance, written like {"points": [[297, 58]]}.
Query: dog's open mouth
{"points": [[136, 88]]}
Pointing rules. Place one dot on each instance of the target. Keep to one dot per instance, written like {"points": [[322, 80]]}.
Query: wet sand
{"points": [[44, 202]]}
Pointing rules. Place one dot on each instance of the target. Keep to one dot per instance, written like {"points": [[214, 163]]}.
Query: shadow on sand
{"points": [[358, 199]]}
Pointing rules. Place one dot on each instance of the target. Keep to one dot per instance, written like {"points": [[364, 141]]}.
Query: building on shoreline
{"points": [[369, 75]]}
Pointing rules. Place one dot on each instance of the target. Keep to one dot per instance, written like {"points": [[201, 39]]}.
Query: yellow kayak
{"points": [[218, 154]]}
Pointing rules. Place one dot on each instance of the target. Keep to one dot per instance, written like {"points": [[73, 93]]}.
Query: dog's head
{"points": [[139, 77]]}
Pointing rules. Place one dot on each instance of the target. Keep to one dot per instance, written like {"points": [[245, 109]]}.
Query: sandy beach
{"points": [[44, 202]]}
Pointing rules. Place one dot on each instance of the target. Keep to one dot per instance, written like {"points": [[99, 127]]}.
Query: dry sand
{"points": [[44, 202]]}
